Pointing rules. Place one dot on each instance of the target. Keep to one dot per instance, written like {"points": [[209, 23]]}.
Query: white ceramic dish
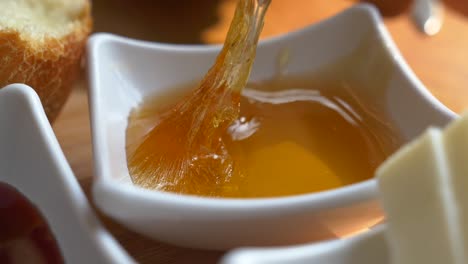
{"points": [[123, 71], [423, 205], [367, 248], [31, 161]]}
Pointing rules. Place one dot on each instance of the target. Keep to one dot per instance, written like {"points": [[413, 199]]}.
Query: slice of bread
{"points": [[41, 43]]}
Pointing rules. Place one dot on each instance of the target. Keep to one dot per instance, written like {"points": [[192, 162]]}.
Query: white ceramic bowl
{"points": [[123, 71], [31, 161], [367, 248]]}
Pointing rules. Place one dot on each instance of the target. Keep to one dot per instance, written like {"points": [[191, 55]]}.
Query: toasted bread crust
{"points": [[50, 66]]}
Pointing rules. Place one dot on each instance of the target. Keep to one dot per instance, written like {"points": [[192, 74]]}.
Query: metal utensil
{"points": [[428, 16]]}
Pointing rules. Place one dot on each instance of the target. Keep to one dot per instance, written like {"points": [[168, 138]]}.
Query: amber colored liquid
{"points": [[314, 137]]}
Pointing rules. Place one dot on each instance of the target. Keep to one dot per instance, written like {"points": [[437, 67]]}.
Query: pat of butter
{"points": [[424, 189]]}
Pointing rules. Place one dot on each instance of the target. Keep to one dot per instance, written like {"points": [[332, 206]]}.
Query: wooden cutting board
{"points": [[441, 62]]}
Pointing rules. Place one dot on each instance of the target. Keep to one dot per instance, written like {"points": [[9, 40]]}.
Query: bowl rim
{"points": [[342, 196], [87, 227]]}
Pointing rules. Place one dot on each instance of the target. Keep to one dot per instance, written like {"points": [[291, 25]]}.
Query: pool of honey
{"points": [[294, 135]]}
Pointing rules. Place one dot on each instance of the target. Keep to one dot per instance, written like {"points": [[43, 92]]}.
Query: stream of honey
{"points": [[185, 151]]}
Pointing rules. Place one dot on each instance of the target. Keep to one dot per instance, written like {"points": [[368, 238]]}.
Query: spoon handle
{"points": [[428, 16]]}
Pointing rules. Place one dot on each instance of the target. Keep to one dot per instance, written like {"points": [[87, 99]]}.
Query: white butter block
{"points": [[424, 191], [415, 192], [455, 140]]}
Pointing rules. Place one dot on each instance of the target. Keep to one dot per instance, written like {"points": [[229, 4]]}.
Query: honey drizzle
{"points": [[186, 148]]}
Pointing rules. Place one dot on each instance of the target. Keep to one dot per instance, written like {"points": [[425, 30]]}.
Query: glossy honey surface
{"points": [[294, 135]]}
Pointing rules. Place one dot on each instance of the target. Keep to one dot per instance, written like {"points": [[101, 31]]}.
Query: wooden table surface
{"points": [[441, 62]]}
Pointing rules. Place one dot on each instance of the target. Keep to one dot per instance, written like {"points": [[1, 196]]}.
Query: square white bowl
{"points": [[32, 162], [124, 71]]}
